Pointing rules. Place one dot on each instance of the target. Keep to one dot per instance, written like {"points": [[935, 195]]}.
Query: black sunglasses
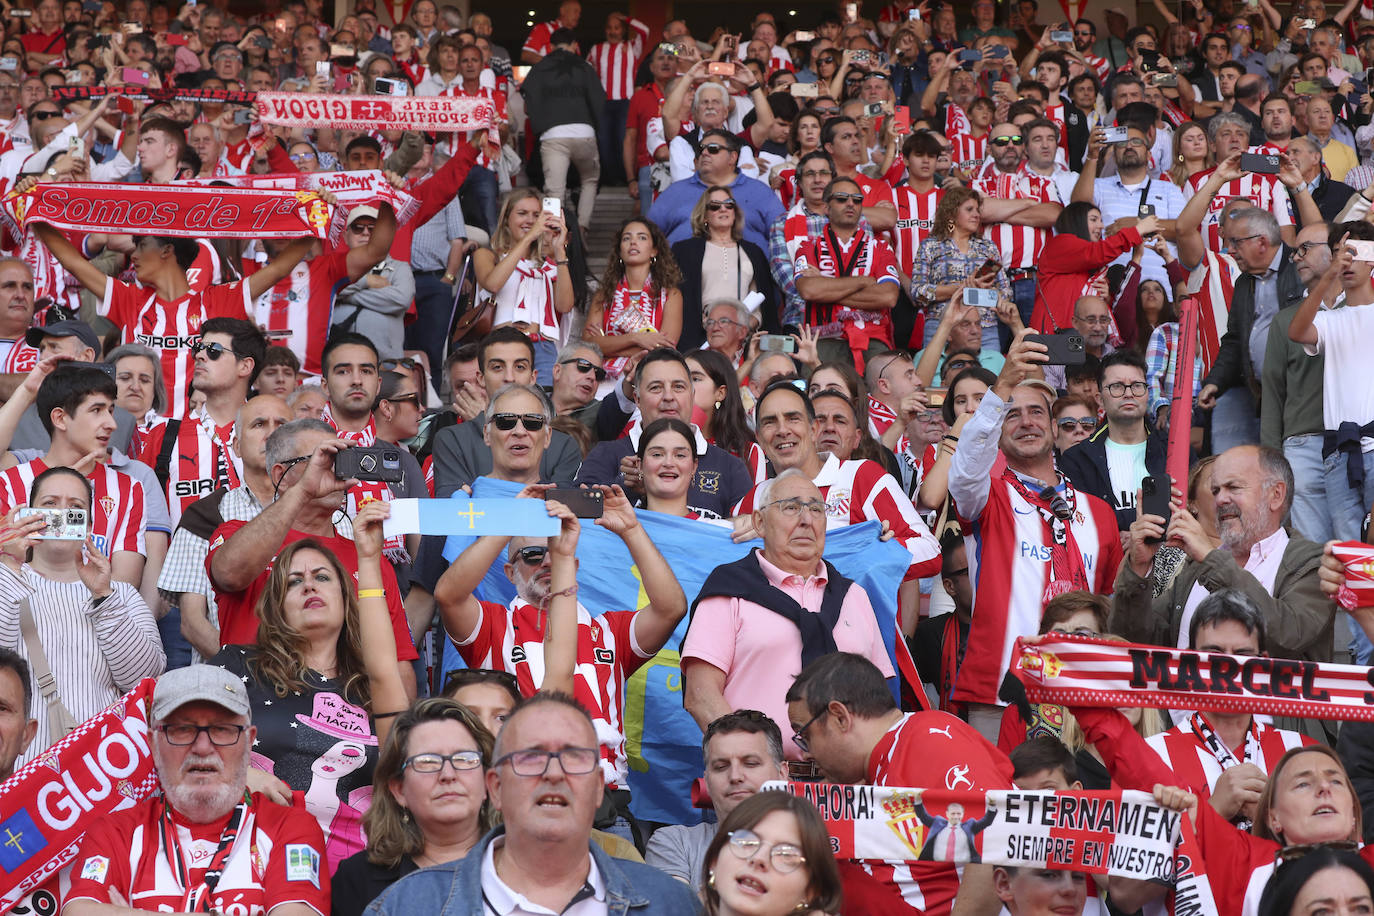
{"points": [[843, 197], [1004, 141], [413, 399], [403, 363], [714, 148], [720, 205], [584, 366], [46, 115], [212, 351], [505, 422], [532, 556]]}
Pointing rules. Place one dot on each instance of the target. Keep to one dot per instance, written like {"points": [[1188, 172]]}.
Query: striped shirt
{"points": [[614, 62], [1264, 191], [1020, 245], [1184, 750], [95, 653], [915, 220], [201, 461]]}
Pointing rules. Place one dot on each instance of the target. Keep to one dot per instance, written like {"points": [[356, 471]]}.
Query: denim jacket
{"points": [[455, 888]]}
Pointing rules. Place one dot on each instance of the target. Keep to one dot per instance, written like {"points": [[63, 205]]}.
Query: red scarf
{"points": [[628, 314], [1066, 562]]}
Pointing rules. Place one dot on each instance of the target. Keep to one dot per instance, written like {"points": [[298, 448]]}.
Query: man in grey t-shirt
{"points": [[742, 750]]}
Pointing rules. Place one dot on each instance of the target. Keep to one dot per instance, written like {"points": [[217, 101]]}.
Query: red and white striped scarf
{"points": [[627, 314]]}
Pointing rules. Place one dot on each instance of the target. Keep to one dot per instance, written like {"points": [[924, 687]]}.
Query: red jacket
{"points": [[1067, 263]]}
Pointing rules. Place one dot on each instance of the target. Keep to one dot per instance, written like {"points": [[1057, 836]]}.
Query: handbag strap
{"points": [[59, 717]]}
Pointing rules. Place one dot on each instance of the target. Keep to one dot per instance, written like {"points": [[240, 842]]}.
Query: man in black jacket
{"points": [[1330, 196], [1268, 283], [1111, 463], [563, 99]]}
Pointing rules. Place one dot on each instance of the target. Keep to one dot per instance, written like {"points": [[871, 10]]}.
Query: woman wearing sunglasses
{"points": [[771, 857], [717, 263], [429, 801]]}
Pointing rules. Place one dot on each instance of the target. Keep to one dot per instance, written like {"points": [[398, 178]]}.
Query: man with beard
{"points": [[245, 851], [1252, 487]]}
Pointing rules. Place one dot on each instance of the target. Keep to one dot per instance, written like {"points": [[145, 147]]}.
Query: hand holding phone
{"points": [[1065, 348], [1154, 500]]}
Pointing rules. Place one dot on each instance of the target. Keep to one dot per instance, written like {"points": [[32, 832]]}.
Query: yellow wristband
{"points": [[371, 593]]}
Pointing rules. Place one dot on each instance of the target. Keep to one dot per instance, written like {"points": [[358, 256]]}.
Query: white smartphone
{"points": [[553, 205], [1364, 250]]}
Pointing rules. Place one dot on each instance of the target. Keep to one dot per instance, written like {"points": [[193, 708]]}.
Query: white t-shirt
{"points": [[1126, 468], [1345, 336]]}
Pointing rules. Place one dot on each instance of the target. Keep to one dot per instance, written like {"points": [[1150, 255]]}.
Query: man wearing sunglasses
{"points": [[576, 375], [718, 163], [1111, 462]]}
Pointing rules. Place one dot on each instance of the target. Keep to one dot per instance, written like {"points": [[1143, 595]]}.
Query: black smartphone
{"points": [[381, 463], [1154, 498], [1259, 164], [1150, 60], [583, 503], [970, 55], [1066, 348]]}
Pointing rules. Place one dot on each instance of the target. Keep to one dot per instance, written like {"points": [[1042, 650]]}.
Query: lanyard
{"points": [[198, 901], [842, 269]]}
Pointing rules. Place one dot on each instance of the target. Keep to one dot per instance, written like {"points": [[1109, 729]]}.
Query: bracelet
{"points": [[954, 439], [569, 591], [562, 263], [371, 593], [754, 88]]}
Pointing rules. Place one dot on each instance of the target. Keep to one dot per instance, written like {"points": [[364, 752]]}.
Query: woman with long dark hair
{"points": [[717, 394], [1073, 256], [638, 306]]}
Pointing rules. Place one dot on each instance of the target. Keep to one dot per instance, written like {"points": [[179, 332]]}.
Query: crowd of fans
{"points": [[920, 265]]}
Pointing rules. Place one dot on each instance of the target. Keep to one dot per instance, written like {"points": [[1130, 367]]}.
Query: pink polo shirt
{"points": [[760, 650]]}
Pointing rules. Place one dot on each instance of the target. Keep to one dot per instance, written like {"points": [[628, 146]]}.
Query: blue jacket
{"points": [[758, 205], [455, 889]]}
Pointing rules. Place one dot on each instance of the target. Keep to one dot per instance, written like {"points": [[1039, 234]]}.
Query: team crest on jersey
{"points": [[193, 322], [517, 654], [108, 504], [837, 503], [708, 481]]}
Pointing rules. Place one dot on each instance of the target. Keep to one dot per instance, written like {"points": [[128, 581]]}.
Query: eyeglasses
{"points": [[1005, 141], [1290, 853], [958, 365], [792, 507], [817, 173], [585, 365], [301, 157], [715, 205], [532, 556], [185, 735], [1302, 250], [846, 198], [1094, 320], [799, 736], [925, 416], [405, 362], [575, 761], [825, 60], [710, 323], [1233, 244], [212, 351], [413, 399], [785, 857], [433, 763], [505, 422], [1119, 389], [714, 148], [360, 227], [828, 111], [1135, 141], [1087, 424], [46, 115]]}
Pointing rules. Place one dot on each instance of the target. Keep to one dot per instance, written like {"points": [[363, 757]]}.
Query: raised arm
{"points": [[70, 257], [560, 633], [667, 604], [363, 258], [375, 635]]}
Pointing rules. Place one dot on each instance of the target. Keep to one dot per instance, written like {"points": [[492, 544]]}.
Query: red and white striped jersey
{"points": [[202, 460], [512, 639], [1185, 751], [498, 101], [1020, 245], [19, 356], [1264, 191], [788, 192], [933, 750], [956, 121], [302, 303], [615, 63], [50, 279], [538, 40], [171, 327], [967, 152], [865, 256], [861, 491], [915, 220], [118, 515], [1100, 66], [1268, 149], [1009, 566], [880, 420], [1213, 283]]}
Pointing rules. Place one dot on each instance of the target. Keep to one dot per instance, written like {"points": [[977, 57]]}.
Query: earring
{"points": [[405, 815], [1180, 157], [717, 405], [803, 907], [711, 879]]}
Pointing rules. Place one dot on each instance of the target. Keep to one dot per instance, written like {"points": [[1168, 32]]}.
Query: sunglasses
{"points": [[361, 227], [46, 115], [717, 148], [1087, 424], [584, 366], [404, 362], [846, 198], [715, 205], [532, 556], [1004, 141], [505, 422], [212, 351], [413, 399]]}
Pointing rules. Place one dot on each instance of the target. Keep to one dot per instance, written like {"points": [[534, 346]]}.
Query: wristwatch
{"points": [[449, 279], [51, 173]]}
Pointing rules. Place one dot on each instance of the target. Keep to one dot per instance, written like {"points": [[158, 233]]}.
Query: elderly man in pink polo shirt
{"points": [[759, 620]]}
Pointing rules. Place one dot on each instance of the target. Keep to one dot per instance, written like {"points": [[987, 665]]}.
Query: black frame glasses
{"points": [[533, 422], [412, 399], [584, 366], [532, 555], [185, 729], [534, 761], [1119, 389], [799, 736]]}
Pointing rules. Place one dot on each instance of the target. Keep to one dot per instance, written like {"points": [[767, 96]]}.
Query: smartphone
{"points": [[1364, 250], [1114, 135], [135, 76], [874, 109], [1066, 348], [988, 268], [720, 68], [1145, 210], [72, 77], [667, 47], [901, 119], [322, 68], [125, 105], [851, 11], [777, 343], [338, 50], [1306, 87], [1259, 164], [243, 116], [861, 56], [9, 63], [1154, 499], [1061, 37], [76, 148], [914, 14], [1150, 60], [1165, 80], [175, 40], [553, 205], [935, 397], [732, 42], [385, 85], [583, 503], [806, 36], [1308, 24], [381, 463], [980, 298], [61, 524], [999, 51], [21, 14], [970, 55], [805, 90], [190, 2], [262, 41], [131, 28]]}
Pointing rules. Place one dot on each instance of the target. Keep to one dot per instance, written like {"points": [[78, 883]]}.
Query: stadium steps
{"points": [[613, 206]]}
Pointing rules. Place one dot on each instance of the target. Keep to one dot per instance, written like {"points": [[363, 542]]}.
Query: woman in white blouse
{"points": [[98, 636]]}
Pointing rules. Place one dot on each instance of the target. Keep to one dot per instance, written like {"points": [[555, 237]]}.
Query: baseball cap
{"points": [[70, 328], [198, 683], [358, 213]]}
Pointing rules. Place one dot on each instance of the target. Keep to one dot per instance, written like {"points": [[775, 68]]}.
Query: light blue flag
{"points": [[663, 742]]}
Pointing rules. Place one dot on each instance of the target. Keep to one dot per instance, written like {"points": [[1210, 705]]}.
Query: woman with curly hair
{"points": [[429, 801], [955, 256], [638, 306], [322, 681]]}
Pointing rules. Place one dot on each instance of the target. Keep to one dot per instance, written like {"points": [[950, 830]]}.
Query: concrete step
{"points": [[613, 206]]}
